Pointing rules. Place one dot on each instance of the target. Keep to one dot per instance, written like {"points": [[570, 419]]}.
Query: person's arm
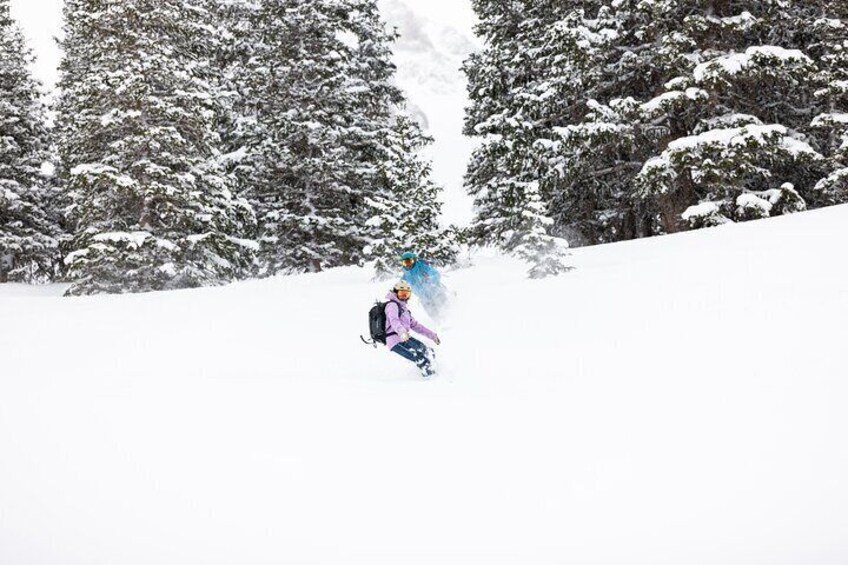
{"points": [[433, 276], [423, 330]]}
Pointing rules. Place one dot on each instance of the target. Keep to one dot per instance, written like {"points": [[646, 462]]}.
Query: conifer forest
{"points": [[198, 142]]}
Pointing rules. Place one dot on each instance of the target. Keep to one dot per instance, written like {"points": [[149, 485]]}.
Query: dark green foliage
{"points": [[151, 206], [405, 207], [316, 145], [29, 229], [645, 117], [512, 105]]}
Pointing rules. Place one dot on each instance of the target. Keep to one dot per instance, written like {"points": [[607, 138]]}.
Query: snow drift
{"points": [[673, 400]]}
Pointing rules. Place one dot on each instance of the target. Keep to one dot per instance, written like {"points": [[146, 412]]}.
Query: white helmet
{"points": [[402, 285]]}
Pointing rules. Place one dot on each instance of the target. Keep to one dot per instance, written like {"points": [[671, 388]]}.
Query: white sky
{"points": [[42, 22]]}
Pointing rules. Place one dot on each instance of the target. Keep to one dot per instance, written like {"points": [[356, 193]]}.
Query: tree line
{"points": [[202, 141], [601, 122]]}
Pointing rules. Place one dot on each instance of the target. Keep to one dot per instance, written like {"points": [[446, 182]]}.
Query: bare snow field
{"points": [[679, 400]]}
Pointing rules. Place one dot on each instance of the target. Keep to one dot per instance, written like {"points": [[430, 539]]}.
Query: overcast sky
{"points": [[42, 22]]}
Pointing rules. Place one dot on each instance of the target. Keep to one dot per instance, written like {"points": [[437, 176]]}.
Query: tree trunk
{"points": [[673, 205]]}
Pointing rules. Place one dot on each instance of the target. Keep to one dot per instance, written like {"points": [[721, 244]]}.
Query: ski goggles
{"points": [[402, 294], [408, 262]]}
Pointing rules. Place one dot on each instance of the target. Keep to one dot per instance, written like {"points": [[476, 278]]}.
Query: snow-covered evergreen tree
{"points": [[738, 115], [316, 142], [240, 77], [830, 125], [292, 160], [515, 94], [406, 206], [642, 117], [151, 206], [532, 241], [28, 224]]}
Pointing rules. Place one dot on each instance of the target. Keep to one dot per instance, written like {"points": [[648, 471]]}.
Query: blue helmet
{"points": [[409, 255]]}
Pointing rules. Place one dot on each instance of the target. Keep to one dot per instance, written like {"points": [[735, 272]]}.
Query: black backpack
{"points": [[377, 321]]}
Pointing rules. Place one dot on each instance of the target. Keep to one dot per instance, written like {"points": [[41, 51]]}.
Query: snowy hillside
{"points": [[678, 400]]}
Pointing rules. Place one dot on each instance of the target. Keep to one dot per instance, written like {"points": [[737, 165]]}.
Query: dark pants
{"points": [[415, 351]]}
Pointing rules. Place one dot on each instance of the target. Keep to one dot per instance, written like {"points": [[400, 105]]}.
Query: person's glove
{"points": [[437, 340], [403, 336]]}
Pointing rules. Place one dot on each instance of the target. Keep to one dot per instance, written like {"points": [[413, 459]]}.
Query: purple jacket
{"points": [[399, 320]]}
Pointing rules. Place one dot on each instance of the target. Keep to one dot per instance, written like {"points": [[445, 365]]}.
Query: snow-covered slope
{"points": [[675, 400]]}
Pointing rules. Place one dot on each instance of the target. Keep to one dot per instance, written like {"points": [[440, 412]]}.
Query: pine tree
{"points": [[298, 160], [151, 206], [28, 224], [830, 125], [533, 243], [240, 77], [515, 94], [313, 144], [640, 117], [736, 115], [406, 206]]}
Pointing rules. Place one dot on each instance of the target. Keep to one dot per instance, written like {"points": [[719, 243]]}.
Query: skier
{"points": [[426, 282], [399, 322]]}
